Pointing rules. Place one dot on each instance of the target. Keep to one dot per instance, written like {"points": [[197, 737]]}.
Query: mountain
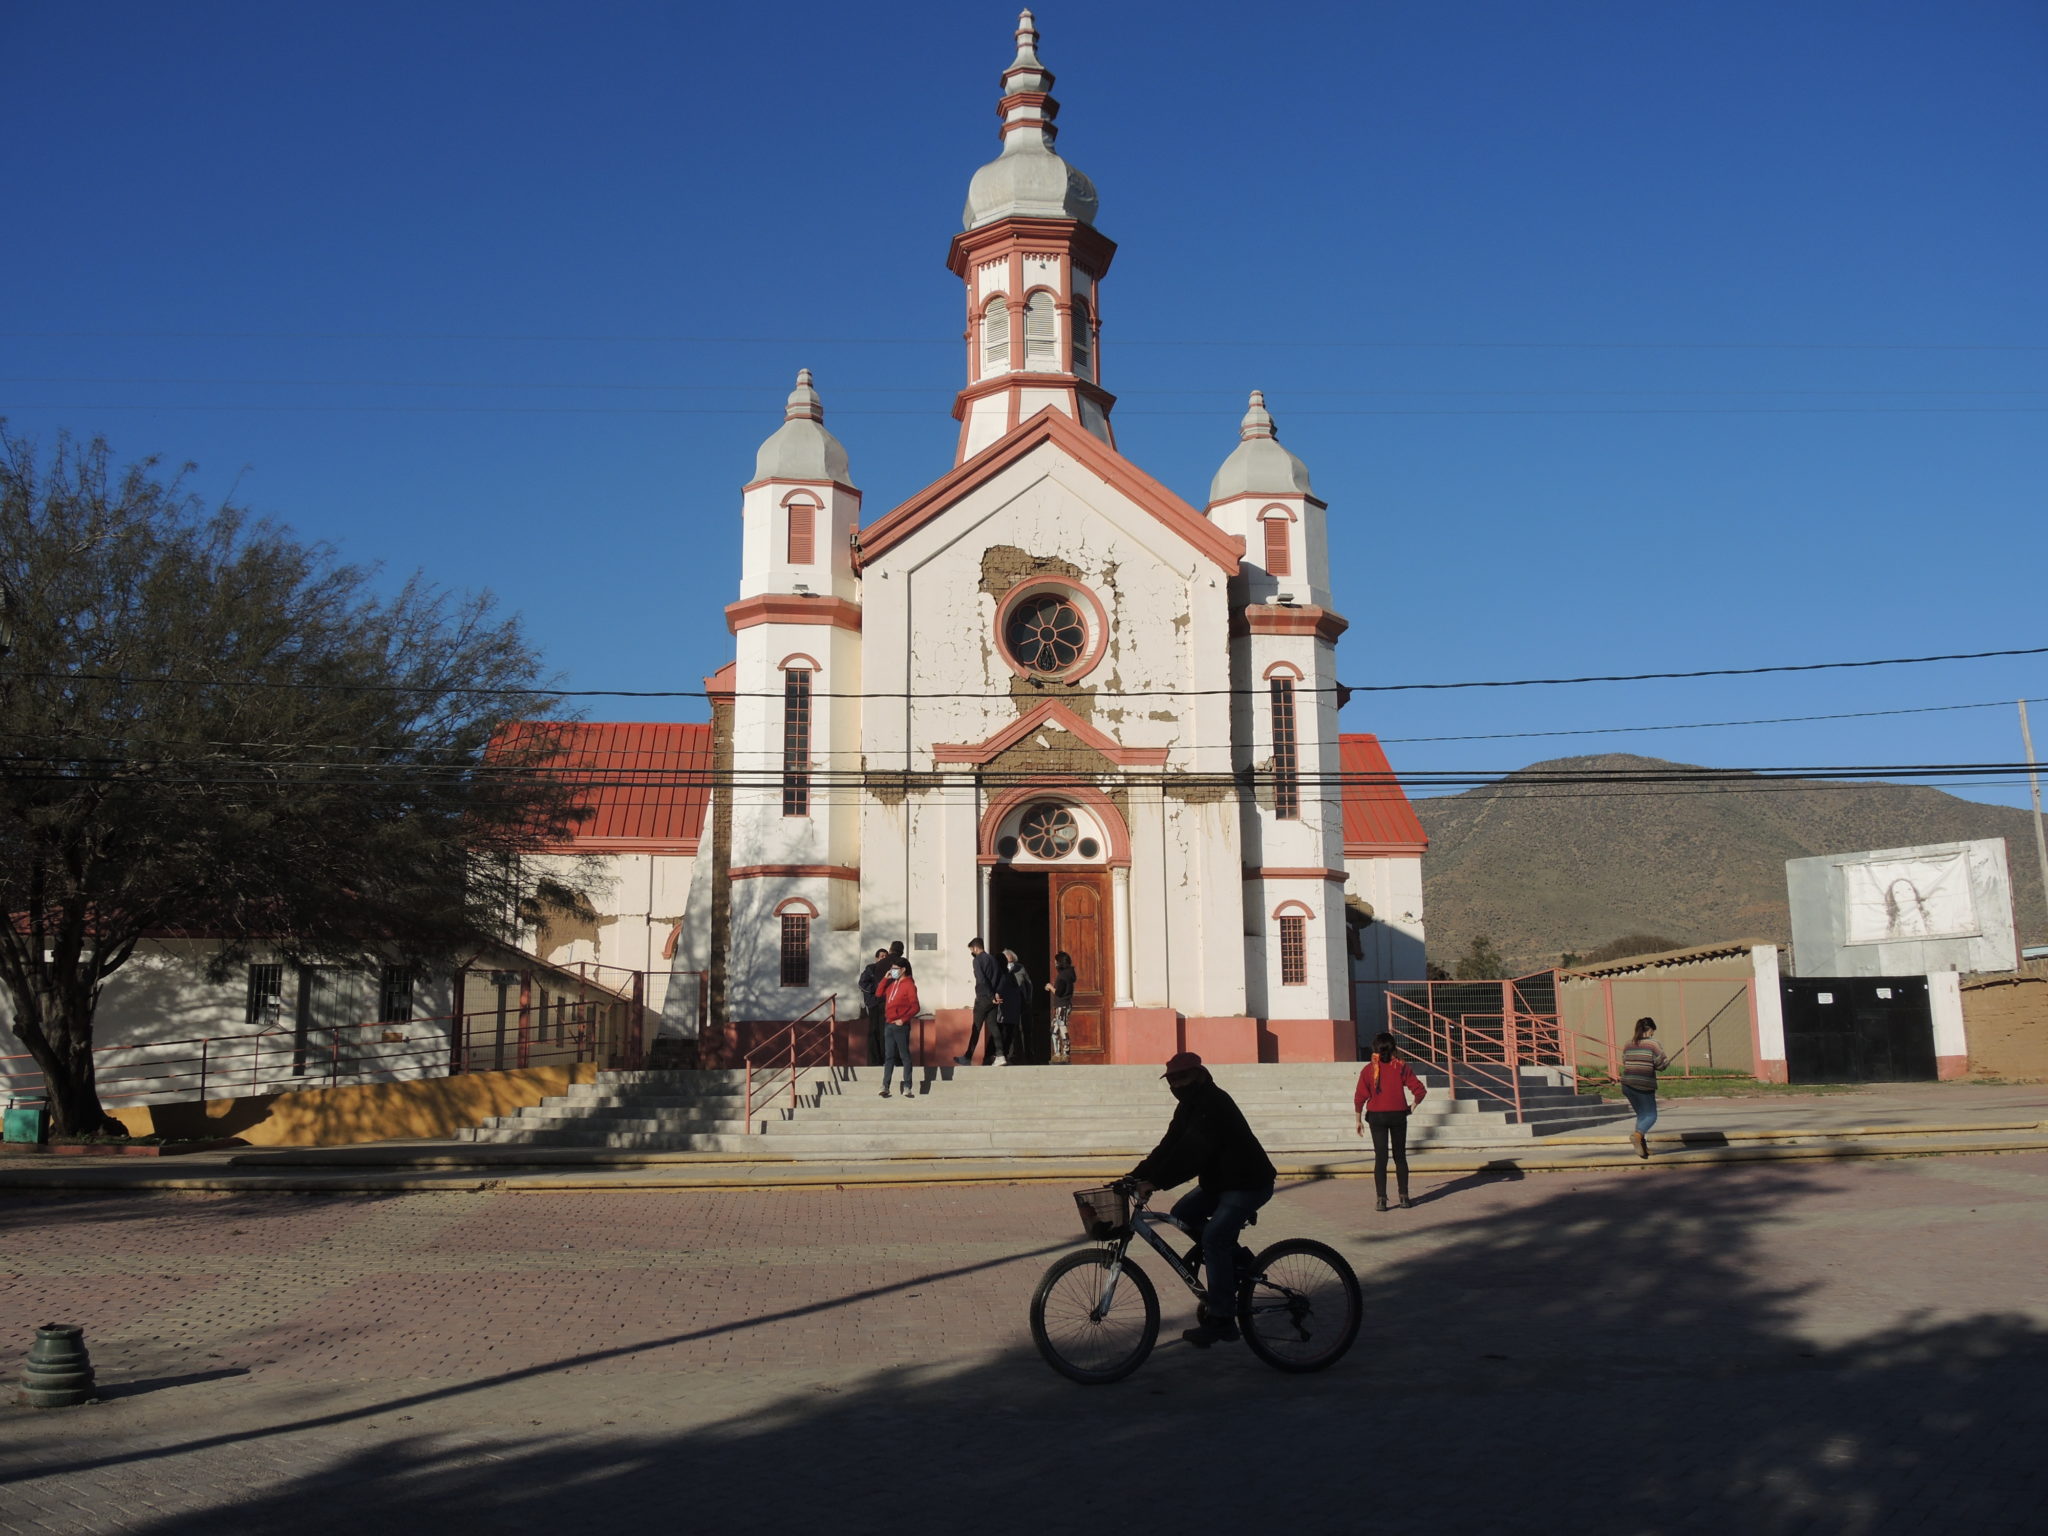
{"points": [[1547, 869]]}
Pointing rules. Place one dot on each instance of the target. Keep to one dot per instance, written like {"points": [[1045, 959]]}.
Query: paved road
{"points": [[1853, 1348]]}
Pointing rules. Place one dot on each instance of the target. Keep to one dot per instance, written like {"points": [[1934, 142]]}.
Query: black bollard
{"points": [[59, 1373]]}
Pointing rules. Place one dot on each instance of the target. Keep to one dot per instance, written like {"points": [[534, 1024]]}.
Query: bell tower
{"points": [[1032, 263]]}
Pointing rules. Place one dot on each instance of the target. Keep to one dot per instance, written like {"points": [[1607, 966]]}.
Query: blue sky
{"points": [[1619, 337]]}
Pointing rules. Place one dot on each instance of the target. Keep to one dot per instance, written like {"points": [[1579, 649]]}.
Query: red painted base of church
{"points": [[1307, 1040]]}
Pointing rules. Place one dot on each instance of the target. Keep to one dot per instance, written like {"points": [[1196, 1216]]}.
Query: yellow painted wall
{"points": [[338, 1117]]}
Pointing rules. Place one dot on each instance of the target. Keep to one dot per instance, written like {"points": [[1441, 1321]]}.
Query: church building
{"points": [[1044, 701]]}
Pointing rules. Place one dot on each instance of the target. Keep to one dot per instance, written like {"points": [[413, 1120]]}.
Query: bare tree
{"points": [[210, 729]]}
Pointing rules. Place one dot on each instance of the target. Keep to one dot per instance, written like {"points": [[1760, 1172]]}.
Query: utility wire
{"points": [[1052, 691], [273, 407]]}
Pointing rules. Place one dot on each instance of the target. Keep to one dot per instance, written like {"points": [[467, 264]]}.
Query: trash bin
{"points": [[25, 1120]]}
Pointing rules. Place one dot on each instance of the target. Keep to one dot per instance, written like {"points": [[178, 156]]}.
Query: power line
{"points": [[1705, 725], [1052, 691], [1264, 343], [274, 407]]}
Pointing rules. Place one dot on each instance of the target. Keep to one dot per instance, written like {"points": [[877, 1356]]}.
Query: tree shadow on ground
{"points": [[1616, 1360], [29, 1211]]}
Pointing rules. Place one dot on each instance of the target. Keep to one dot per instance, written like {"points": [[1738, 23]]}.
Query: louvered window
{"points": [[995, 337], [796, 742], [802, 532], [1286, 751], [1293, 951], [1278, 560], [796, 949], [1084, 340], [1041, 335]]}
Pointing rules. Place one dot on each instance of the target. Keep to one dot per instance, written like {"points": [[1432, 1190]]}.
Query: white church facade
{"points": [[1045, 701]]}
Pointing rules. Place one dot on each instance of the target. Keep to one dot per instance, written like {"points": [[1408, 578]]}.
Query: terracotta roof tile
{"points": [[1377, 815], [650, 784]]}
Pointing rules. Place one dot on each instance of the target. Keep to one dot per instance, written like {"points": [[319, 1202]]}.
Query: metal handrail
{"points": [[799, 1038], [1488, 1049]]}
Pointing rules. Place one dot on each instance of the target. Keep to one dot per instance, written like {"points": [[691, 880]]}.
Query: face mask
{"points": [[895, 975]]}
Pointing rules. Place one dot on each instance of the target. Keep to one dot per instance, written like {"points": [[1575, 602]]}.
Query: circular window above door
{"points": [[1049, 831]]}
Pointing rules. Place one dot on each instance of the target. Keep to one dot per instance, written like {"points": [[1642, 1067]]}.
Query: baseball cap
{"points": [[1182, 1061]]}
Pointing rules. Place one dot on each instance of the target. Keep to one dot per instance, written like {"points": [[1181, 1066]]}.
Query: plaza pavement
{"points": [[1849, 1347]]}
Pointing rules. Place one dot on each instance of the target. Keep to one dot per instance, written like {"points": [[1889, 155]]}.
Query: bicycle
{"points": [[1095, 1314]]}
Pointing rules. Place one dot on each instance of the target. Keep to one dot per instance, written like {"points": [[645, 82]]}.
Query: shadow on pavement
{"points": [[1613, 1361]]}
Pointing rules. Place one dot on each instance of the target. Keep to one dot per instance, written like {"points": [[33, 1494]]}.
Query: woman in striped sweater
{"points": [[1640, 1064]]}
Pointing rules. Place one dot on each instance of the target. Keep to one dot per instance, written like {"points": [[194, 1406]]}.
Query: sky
{"points": [[1618, 337]]}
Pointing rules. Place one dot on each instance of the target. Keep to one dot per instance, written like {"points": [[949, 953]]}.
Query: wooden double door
{"points": [[1040, 911]]}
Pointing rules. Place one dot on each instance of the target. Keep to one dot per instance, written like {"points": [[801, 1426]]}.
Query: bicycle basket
{"points": [[1105, 1212]]}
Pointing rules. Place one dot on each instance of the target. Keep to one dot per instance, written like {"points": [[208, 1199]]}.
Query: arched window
{"points": [[1041, 334], [803, 544], [995, 336], [796, 742], [1279, 549], [1084, 340], [1286, 751], [796, 949], [1293, 951]]}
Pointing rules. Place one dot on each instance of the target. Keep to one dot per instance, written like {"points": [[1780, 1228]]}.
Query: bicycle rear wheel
{"points": [[1078, 1338], [1300, 1308]]}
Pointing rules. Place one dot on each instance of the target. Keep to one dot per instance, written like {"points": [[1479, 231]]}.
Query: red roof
{"points": [[1377, 815], [649, 784]]}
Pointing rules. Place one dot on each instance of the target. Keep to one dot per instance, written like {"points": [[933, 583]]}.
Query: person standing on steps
{"points": [[899, 1012], [1013, 996], [1388, 1091], [988, 972], [1209, 1141], [871, 977], [1062, 989], [1640, 1064]]}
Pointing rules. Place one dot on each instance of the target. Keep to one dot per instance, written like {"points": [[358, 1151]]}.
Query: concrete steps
{"points": [[1010, 1111]]}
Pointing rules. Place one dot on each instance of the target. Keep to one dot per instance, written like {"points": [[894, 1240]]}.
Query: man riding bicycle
{"points": [[1209, 1141]]}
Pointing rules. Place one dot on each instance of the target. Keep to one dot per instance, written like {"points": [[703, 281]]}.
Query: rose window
{"points": [[1048, 831], [1046, 633]]}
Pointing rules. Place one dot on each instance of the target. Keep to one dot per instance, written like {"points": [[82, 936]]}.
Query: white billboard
{"points": [[1903, 911], [1889, 899]]}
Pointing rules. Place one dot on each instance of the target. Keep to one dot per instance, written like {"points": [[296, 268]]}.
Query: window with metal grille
{"points": [[1041, 334], [796, 742], [802, 542], [1293, 951], [394, 994], [1286, 753], [266, 995], [995, 336], [1084, 340], [1278, 562], [796, 949]]}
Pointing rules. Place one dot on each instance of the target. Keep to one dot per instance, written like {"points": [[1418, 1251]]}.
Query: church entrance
{"points": [[1038, 912]]}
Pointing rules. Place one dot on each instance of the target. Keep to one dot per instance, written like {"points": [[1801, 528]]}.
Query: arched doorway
{"points": [[1049, 852]]}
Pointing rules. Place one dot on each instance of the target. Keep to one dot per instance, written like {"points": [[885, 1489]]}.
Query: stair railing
{"points": [[1483, 1047], [790, 1052]]}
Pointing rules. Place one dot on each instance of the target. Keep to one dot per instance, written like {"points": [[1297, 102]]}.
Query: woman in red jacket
{"points": [[899, 1007], [1387, 1091]]}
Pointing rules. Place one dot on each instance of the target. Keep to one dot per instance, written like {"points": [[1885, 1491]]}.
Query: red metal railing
{"points": [[791, 1052], [1479, 1034]]}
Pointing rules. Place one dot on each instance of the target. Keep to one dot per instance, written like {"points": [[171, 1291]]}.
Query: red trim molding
{"points": [[793, 872], [668, 847], [724, 683], [1280, 619], [1276, 872], [1068, 435], [1054, 714], [779, 608], [838, 485]]}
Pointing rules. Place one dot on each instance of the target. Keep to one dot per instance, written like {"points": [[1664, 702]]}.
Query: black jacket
{"points": [[988, 973], [1210, 1141], [1012, 991], [871, 981], [1063, 979]]}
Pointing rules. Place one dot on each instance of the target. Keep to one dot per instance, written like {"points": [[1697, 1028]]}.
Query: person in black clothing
{"points": [[988, 975], [1013, 999], [871, 979], [1062, 989], [1209, 1142]]}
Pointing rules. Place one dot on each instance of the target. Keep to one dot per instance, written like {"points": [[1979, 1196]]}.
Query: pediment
{"points": [[1063, 732]]}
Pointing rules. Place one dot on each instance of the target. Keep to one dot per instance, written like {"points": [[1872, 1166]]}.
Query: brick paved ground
{"points": [[1781, 1348]]}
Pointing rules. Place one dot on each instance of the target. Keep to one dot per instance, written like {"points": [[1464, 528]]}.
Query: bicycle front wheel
{"points": [[1079, 1337], [1300, 1308]]}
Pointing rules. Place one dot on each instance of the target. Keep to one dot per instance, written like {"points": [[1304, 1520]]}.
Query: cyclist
{"points": [[1210, 1142]]}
